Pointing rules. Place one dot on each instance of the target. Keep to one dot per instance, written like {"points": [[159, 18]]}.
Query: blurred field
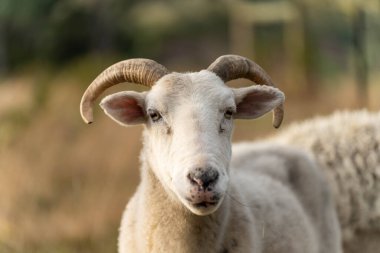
{"points": [[64, 184]]}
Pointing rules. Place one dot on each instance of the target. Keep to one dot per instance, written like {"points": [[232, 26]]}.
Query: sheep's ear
{"points": [[254, 101], [126, 107]]}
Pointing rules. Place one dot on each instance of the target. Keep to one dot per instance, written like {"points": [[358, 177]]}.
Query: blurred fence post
{"points": [[245, 16], [359, 13], [360, 54], [3, 51]]}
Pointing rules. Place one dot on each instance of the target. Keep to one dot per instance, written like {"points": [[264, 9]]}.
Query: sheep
{"points": [[347, 146], [271, 199]]}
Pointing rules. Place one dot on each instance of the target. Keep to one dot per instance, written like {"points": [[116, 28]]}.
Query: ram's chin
{"points": [[203, 208]]}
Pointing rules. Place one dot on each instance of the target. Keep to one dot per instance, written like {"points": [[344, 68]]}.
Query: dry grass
{"points": [[62, 181], [63, 184]]}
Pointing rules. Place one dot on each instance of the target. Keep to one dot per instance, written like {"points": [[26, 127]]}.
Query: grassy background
{"points": [[64, 184]]}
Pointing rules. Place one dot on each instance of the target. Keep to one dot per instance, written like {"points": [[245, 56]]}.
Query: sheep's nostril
{"points": [[196, 181], [203, 177], [192, 180]]}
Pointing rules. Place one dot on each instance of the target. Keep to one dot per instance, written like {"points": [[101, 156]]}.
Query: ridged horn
{"points": [[230, 67], [140, 71]]}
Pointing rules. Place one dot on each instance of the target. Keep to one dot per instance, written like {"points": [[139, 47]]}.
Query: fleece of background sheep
{"points": [[347, 144]]}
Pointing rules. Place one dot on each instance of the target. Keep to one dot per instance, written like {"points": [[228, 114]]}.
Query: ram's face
{"points": [[189, 131], [189, 121]]}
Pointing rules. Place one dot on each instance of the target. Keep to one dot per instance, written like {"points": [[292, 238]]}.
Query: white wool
{"points": [[347, 145]]}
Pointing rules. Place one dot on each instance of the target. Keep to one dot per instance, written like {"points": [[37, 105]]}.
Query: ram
{"points": [[271, 198]]}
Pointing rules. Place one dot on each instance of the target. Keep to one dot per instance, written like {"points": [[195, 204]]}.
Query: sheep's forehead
{"points": [[202, 88]]}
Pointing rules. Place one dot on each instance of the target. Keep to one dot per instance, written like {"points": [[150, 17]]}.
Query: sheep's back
{"points": [[347, 145]]}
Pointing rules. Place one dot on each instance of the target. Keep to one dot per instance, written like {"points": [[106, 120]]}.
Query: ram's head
{"points": [[188, 119]]}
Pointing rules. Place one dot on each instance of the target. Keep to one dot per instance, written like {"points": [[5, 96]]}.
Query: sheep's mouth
{"points": [[204, 204]]}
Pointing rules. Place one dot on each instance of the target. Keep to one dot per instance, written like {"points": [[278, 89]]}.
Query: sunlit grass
{"points": [[64, 184]]}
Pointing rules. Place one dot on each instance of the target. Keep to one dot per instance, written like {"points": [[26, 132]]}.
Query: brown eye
{"points": [[154, 115], [228, 113]]}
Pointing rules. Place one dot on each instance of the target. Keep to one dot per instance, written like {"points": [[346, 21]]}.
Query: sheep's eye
{"points": [[154, 115], [228, 113]]}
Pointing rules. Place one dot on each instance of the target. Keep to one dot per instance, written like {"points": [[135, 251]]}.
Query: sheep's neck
{"points": [[171, 225]]}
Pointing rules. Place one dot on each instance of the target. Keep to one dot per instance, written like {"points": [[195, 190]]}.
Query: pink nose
{"points": [[204, 178]]}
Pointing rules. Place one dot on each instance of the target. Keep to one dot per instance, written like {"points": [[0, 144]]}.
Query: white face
{"points": [[189, 121], [190, 141]]}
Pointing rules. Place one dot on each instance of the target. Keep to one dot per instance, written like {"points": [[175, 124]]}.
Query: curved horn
{"points": [[230, 67], [140, 71]]}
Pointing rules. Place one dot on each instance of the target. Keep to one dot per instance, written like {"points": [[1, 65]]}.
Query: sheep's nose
{"points": [[203, 177]]}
